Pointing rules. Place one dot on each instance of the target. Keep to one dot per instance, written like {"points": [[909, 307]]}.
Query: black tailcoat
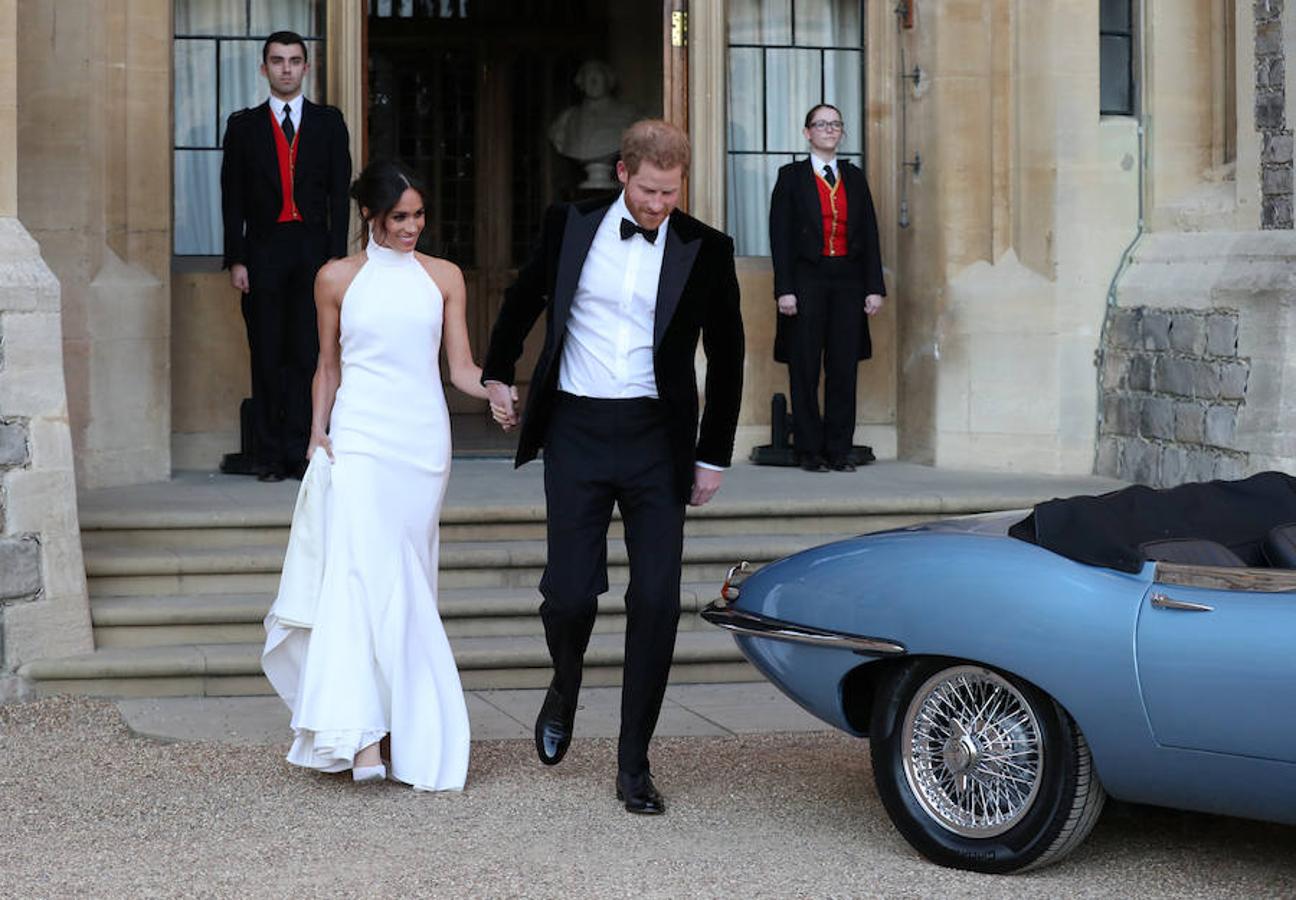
{"points": [[796, 238], [251, 193], [282, 261]]}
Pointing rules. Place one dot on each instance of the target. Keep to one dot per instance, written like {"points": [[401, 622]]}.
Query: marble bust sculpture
{"points": [[590, 131]]}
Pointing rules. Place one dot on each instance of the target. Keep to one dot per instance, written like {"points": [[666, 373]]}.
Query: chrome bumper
{"points": [[720, 613]]}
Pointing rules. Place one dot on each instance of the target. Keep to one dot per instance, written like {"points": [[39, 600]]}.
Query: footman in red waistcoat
{"points": [[284, 180], [828, 282]]}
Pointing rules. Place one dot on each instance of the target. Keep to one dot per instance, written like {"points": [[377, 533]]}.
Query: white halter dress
{"points": [[354, 643]]}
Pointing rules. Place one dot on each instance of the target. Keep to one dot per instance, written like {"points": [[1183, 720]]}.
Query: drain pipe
{"points": [[908, 168], [1140, 230]]}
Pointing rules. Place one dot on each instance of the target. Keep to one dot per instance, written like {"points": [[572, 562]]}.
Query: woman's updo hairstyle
{"points": [[379, 189]]}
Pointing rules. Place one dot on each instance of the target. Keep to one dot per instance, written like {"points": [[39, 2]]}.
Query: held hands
{"points": [[705, 484], [872, 303], [319, 439], [239, 277], [503, 400]]}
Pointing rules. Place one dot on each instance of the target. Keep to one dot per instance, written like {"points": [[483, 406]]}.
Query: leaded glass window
{"points": [[217, 53], [1116, 57], [784, 57]]}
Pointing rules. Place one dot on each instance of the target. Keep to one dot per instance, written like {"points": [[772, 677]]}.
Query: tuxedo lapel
{"points": [[808, 192], [263, 128], [578, 235], [677, 262]]}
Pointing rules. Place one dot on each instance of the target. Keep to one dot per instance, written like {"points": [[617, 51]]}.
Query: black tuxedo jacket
{"points": [[697, 294], [251, 195], [796, 238]]}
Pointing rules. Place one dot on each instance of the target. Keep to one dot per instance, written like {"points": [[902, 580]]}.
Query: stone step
{"points": [[229, 536], [484, 662], [113, 570], [237, 618], [178, 507]]}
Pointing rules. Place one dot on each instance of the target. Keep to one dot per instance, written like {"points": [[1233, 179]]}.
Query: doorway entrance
{"points": [[478, 97]]}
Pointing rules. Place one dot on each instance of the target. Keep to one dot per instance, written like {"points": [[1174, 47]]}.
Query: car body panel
{"points": [[972, 593], [1221, 679]]}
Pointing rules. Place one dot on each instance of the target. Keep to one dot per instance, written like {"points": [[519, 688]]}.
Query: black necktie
{"points": [[628, 228], [287, 125], [829, 176]]}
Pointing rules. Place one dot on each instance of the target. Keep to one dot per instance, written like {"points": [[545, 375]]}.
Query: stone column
{"points": [[346, 66], [94, 163], [707, 118], [43, 605], [1024, 202]]}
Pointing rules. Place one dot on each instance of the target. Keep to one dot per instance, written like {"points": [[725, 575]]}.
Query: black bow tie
{"points": [[628, 228]]}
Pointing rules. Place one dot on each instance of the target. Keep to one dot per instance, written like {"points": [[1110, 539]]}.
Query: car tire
{"points": [[979, 770]]}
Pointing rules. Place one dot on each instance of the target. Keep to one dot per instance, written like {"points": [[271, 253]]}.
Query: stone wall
{"points": [[1198, 359], [1271, 116], [20, 578], [1173, 385], [20, 554]]}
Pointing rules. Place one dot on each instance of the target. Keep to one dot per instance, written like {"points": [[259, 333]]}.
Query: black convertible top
{"points": [[1109, 530]]}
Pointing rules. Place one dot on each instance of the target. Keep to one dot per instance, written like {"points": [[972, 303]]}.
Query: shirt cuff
{"points": [[706, 465]]}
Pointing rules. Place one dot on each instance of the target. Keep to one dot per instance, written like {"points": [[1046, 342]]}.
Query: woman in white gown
{"points": [[354, 643]]}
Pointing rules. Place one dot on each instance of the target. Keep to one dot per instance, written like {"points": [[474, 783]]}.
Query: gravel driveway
{"points": [[88, 809]]}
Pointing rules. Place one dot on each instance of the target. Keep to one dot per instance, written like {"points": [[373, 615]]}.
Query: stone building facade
{"points": [[1195, 368], [1069, 291]]}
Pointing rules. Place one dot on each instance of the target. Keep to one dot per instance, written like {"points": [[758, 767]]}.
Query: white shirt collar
{"points": [[820, 162], [295, 104]]}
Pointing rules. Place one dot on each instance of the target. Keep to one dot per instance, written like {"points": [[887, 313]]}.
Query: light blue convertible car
{"points": [[1013, 670]]}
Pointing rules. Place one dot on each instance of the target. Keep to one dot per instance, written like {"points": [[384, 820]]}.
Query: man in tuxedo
{"points": [[628, 285], [284, 181], [828, 282]]}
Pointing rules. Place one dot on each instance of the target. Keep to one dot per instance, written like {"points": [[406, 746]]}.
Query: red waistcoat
{"points": [[287, 168], [832, 204]]}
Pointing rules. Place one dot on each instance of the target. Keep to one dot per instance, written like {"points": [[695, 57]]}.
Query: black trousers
{"points": [[279, 313], [599, 453], [825, 332]]}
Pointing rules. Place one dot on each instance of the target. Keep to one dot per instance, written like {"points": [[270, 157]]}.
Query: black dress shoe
{"points": [[842, 465], [814, 464], [271, 475], [553, 728], [639, 794]]}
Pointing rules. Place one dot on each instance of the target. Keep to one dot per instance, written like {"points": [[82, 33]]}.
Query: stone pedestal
{"points": [[44, 609]]}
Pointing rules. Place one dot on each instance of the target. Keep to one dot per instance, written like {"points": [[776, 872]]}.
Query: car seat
{"points": [[1194, 551], [1280, 547]]}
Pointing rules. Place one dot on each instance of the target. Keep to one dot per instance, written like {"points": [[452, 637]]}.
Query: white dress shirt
{"points": [[608, 352], [820, 162], [295, 110]]}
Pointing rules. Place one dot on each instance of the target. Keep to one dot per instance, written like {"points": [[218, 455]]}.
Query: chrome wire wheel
{"points": [[972, 751]]}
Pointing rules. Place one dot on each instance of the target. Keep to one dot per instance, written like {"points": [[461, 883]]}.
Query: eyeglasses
{"points": [[821, 125]]}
